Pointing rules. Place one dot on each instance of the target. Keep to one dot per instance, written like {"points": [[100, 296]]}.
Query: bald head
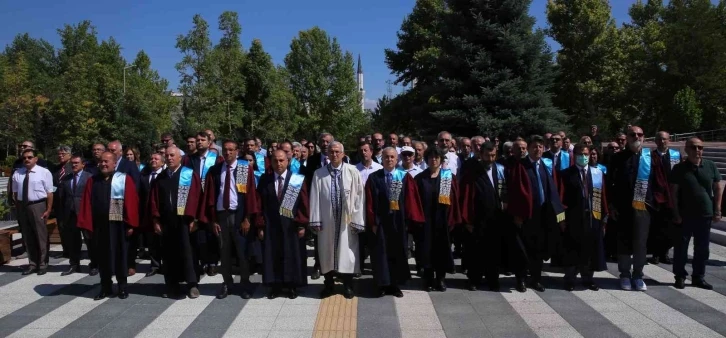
{"points": [[280, 161], [173, 157], [116, 148], [662, 140]]}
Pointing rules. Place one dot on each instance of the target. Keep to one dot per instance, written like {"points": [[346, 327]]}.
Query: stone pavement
{"points": [[55, 306]]}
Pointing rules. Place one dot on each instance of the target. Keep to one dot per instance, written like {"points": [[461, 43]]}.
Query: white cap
{"points": [[409, 149]]}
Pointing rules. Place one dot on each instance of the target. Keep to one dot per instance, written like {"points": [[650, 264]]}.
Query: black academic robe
{"points": [[180, 261], [583, 238], [109, 236], [247, 205], [285, 254], [662, 234], [487, 249], [433, 244], [207, 243], [389, 241]]}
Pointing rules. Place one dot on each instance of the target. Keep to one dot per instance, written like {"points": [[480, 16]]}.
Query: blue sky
{"points": [[362, 27]]}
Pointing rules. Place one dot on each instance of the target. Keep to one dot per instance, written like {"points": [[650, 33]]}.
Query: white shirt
{"points": [[202, 158], [232, 188], [452, 162], [277, 180], [40, 183], [490, 173], [324, 160], [365, 171], [421, 165], [415, 170], [158, 172], [579, 169]]}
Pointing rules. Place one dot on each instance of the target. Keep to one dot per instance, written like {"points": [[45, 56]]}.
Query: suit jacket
{"points": [[56, 183], [69, 201], [130, 168], [144, 193]]}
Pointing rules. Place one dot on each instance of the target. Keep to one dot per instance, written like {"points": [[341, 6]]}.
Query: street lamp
{"points": [[125, 68]]}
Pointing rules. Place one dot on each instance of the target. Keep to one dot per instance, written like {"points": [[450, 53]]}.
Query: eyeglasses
{"points": [[696, 147], [25, 146], [556, 139], [28, 157], [406, 154], [378, 139], [636, 134], [444, 139]]}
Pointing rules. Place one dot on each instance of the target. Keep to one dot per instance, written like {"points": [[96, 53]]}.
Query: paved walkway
{"points": [[55, 306]]}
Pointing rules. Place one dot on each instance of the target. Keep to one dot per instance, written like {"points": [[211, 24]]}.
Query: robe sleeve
{"points": [[661, 191], [85, 216], [370, 205], [252, 199], [154, 211], [195, 207], [519, 191], [207, 213], [357, 210], [414, 210], [466, 198], [454, 210], [131, 203], [315, 219], [301, 216]]}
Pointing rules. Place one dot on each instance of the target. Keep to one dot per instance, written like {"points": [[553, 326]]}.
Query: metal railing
{"points": [[705, 135]]}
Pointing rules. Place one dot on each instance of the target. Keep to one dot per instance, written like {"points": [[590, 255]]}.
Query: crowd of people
{"points": [[237, 209]]}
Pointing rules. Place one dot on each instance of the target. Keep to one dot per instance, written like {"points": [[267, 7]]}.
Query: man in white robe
{"points": [[337, 216]]}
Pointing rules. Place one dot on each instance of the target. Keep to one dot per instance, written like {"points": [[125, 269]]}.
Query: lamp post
{"points": [[125, 68]]}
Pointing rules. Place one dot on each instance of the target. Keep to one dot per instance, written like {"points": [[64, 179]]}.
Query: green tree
{"points": [[229, 84], [496, 72], [322, 79], [591, 79]]}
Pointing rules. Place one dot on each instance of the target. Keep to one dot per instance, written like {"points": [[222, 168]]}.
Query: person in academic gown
{"points": [[392, 206], [583, 232], [151, 240], [230, 204], [489, 230], [534, 203], [205, 242], [284, 202], [662, 234], [174, 205], [337, 217], [109, 211], [439, 197]]}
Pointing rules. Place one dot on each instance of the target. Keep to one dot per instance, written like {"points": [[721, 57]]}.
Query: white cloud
{"points": [[370, 104]]}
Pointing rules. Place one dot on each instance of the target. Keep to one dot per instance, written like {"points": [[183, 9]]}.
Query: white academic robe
{"points": [[342, 256]]}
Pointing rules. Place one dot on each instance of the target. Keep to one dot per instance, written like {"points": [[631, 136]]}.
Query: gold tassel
{"points": [[286, 213], [242, 188], [180, 211], [444, 200], [638, 205], [394, 205], [560, 217], [597, 215]]}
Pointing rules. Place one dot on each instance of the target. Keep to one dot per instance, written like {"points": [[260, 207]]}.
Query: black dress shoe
{"points": [[223, 292], [441, 285], [123, 294], [358, 275], [212, 271], [591, 286], [666, 260], [680, 283], [274, 293], [42, 272], [493, 286], [29, 271], [569, 286], [521, 287], [152, 272], [93, 272], [56, 255], [71, 270], [315, 274], [655, 260], [700, 283], [293, 293], [471, 286], [382, 292], [347, 292], [327, 292], [102, 295], [396, 292], [537, 287], [245, 295]]}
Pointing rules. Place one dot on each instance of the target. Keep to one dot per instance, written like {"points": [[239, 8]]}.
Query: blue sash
{"points": [[548, 164], [185, 183], [291, 193], [209, 161], [445, 186], [142, 166], [295, 166], [603, 168], [564, 160], [501, 182], [118, 190], [597, 183], [675, 156], [242, 172], [641, 181], [260, 159], [397, 177]]}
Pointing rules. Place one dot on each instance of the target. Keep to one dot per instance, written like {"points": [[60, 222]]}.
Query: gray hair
{"points": [[389, 148], [335, 144], [414, 143], [65, 149], [507, 145], [478, 139], [296, 145], [326, 134], [443, 133]]}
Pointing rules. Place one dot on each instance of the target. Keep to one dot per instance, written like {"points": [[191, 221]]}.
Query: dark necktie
{"points": [[153, 177], [75, 183], [26, 184], [62, 172], [539, 184], [280, 184], [585, 185], [227, 185]]}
